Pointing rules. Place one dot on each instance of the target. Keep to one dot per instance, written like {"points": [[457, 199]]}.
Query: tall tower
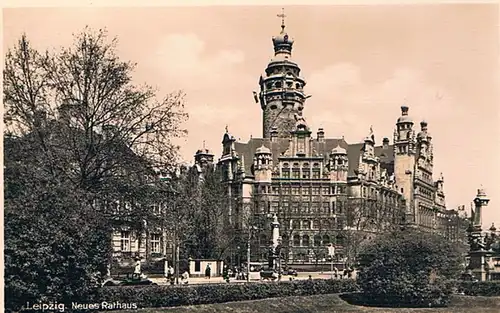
{"points": [[281, 94], [404, 161]]}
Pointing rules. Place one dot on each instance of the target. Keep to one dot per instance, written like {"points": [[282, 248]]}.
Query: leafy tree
{"points": [[79, 136], [409, 267]]}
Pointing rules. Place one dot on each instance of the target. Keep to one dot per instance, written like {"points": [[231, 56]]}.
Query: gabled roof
{"points": [[247, 150]]}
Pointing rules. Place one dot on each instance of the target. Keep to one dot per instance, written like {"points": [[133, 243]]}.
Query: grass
{"points": [[330, 304]]}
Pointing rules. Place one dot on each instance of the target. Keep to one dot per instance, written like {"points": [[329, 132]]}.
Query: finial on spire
{"points": [[227, 129], [371, 130], [203, 144], [282, 15]]}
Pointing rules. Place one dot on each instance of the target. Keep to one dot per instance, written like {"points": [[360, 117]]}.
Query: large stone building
{"points": [[320, 188], [323, 190]]}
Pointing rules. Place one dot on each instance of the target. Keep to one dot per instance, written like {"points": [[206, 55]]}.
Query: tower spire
{"points": [[282, 15]]}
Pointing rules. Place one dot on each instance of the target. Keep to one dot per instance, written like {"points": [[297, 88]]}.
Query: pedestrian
{"points": [[336, 271], [137, 268], [170, 275], [208, 272], [185, 277]]}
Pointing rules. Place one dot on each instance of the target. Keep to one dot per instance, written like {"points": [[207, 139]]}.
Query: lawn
{"points": [[330, 304]]}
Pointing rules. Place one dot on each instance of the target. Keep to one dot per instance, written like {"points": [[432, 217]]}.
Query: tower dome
{"points": [[339, 150], [262, 150], [404, 116], [282, 43], [424, 134]]}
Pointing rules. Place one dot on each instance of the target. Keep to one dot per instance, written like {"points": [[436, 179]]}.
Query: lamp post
{"points": [[250, 231], [176, 249]]}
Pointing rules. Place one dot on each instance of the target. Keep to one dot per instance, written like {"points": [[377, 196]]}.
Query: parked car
{"points": [[129, 280], [289, 272]]}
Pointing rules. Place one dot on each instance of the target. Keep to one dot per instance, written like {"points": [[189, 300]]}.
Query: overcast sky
{"points": [[361, 64]]}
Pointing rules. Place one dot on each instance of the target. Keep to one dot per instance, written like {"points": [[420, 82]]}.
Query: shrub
{"points": [[409, 268], [55, 251], [480, 288], [168, 296]]}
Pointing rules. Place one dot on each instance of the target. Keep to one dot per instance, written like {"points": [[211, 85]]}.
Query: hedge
{"points": [[168, 296], [481, 288]]}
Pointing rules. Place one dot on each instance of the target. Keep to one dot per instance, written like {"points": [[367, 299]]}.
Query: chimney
{"points": [[321, 134], [274, 133], [385, 143]]}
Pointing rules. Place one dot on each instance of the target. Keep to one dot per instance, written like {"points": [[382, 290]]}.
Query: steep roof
{"points": [[247, 150]]}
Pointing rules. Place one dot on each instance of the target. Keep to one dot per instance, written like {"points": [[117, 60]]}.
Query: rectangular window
{"points": [[315, 190], [316, 174], [296, 174], [315, 207], [125, 241], [333, 208], [274, 207], [306, 174], [286, 174], [286, 190], [296, 190], [197, 266], [155, 243], [155, 209], [340, 224], [325, 208], [325, 190], [340, 207]]}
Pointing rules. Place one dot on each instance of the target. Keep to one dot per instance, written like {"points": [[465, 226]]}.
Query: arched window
{"points": [[317, 240], [340, 240], [326, 239], [263, 240], [305, 241], [296, 240], [278, 84], [296, 224]]}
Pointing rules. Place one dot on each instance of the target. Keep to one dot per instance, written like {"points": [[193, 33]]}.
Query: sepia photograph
{"points": [[293, 157]]}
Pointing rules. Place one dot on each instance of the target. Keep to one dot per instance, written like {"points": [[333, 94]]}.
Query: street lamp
{"points": [[176, 240], [251, 228]]}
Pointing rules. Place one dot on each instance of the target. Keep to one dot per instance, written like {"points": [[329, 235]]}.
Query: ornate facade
{"points": [[320, 187]]}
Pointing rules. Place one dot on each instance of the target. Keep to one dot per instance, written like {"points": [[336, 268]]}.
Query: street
{"points": [[218, 280]]}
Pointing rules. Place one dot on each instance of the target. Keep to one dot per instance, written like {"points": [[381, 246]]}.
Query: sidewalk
{"points": [[220, 280]]}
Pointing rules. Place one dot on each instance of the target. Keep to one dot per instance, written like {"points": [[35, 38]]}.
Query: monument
{"points": [[274, 250], [274, 256], [480, 243]]}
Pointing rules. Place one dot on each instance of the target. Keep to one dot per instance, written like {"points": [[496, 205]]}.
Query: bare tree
{"points": [[76, 123], [82, 112]]}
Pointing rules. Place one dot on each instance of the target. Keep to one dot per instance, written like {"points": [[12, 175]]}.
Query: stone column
{"points": [[478, 253]]}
